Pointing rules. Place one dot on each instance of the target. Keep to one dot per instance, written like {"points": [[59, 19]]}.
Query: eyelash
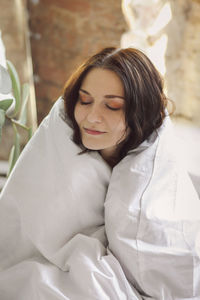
{"points": [[111, 108]]}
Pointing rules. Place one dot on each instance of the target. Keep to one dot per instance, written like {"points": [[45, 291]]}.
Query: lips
{"points": [[93, 132]]}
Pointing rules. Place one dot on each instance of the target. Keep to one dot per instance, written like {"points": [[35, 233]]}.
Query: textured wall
{"points": [[13, 25], [174, 47], [183, 58], [63, 32]]}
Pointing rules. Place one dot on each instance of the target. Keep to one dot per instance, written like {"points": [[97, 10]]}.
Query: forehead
{"points": [[103, 80]]}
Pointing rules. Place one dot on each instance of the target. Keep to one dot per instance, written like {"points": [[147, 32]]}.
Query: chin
{"points": [[89, 147], [92, 146]]}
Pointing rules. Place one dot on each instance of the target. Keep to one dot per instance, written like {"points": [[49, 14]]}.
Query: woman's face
{"points": [[99, 111]]}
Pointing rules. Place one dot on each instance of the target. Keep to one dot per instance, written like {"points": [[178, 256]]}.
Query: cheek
{"points": [[117, 124], [119, 132], [78, 114]]}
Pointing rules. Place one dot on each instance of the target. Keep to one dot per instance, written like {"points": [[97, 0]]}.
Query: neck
{"points": [[112, 158]]}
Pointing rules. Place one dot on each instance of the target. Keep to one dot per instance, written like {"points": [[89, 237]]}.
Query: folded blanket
{"points": [[72, 228]]}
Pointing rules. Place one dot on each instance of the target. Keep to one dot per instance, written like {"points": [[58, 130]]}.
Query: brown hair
{"points": [[145, 101]]}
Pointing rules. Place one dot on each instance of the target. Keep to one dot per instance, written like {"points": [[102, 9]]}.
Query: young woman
{"points": [[99, 205], [126, 89]]}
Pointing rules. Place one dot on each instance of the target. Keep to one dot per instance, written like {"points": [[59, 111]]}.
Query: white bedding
{"points": [[72, 228]]}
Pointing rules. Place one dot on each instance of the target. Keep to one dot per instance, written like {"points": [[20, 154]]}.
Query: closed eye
{"points": [[85, 103], [112, 108], [109, 107]]}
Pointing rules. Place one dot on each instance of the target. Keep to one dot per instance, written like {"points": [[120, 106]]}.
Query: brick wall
{"points": [[63, 33]]}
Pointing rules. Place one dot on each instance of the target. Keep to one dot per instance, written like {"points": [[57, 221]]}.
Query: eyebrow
{"points": [[106, 96]]}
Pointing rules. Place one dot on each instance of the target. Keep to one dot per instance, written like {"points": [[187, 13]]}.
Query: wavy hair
{"points": [[145, 101]]}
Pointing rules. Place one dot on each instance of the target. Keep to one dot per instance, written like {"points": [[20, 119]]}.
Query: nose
{"points": [[94, 115]]}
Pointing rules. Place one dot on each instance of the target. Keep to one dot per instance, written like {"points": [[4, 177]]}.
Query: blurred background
{"points": [[47, 39]]}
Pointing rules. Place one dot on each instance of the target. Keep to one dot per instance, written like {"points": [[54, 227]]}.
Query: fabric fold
{"points": [[73, 229], [152, 215]]}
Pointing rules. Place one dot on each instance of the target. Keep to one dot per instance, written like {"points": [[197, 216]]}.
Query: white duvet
{"points": [[72, 228]]}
